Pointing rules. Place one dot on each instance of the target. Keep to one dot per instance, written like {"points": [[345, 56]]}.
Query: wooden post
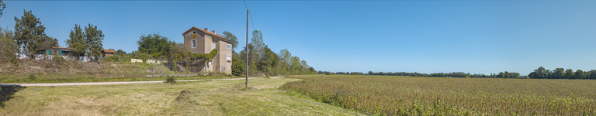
{"points": [[247, 49]]}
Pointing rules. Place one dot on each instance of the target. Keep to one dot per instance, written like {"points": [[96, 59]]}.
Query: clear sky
{"points": [[390, 36]]}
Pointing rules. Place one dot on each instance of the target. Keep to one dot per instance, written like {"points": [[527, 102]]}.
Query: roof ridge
{"points": [[210, 33]]}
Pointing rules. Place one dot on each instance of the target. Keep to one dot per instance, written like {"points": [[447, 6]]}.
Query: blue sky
{"points": [[389, 36]]}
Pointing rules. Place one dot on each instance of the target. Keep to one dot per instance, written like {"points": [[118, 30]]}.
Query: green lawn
{"points": [[211, 97]]}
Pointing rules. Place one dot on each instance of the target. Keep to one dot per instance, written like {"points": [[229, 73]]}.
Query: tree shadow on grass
{"points": [[6, 92]]}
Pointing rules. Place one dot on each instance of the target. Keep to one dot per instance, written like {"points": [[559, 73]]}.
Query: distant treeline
{"points": [[561, 73], [416, 74], [540, 73]]}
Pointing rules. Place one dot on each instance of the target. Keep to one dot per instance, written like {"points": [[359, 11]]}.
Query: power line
{"points": [[250, 15]]}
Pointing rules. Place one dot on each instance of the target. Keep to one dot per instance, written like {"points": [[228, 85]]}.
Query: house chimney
{"points": [[213, 32], [206, 29]]}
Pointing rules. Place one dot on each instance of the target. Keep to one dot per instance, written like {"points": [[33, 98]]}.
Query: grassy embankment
{"points": [[391, 95], [31, 71], [211, 97]]}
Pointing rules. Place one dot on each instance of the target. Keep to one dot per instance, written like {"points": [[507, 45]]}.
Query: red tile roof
{"points": [[210, 33], [108, 51]]}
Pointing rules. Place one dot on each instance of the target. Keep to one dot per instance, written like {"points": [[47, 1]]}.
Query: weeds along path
{"points": [[100, 83], [213, 97]]}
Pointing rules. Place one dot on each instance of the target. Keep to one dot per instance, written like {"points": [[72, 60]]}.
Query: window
{"points": [[229, 58], [194, 43], [214, 45], [229, 46]]}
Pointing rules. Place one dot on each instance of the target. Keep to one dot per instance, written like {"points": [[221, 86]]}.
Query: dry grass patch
{"points": [[184, 98]]}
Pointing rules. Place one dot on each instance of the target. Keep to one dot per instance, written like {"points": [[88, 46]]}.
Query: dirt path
{"points": [[100, 83]]}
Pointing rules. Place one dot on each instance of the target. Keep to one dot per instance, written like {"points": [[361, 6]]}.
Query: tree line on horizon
{"points": [[504, 74], [29, 37], [262, 60], [540, 73], [561, 73]]}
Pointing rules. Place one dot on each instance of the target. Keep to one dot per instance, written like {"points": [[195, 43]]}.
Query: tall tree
{"points": [[8, 47], [2, 7], [94, 39], [77, 42], [178, 53], [592, 74], [120, 52], [238, 67], [30, 33], [285, 57], [541, 72], [232, 37], [579, 74], [154, 44], [271, 60], [549, 74], [569, 74], [296, 66], [258, 44], [559, 73]]}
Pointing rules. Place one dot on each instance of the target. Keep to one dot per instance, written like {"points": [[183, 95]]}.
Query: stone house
{"points": [[201, 41]]}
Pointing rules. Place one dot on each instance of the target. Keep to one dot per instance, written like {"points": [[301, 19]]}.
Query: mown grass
{"points": [[72, 71], [391, 95], [209, 97], [49, 78]]}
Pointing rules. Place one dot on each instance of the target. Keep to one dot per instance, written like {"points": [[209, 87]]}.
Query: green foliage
{"points": [[258, 45], [120, 52], [155, 45], [94, 39], [111, 59], [2, 7], [77, 42], [32, 77], [270, 63], [207, 57], [118, 58], [238, 65], [451, 74], [58, 58], [170, 80], [177, 52], [30, 33], [579, 74], [561, 73], [8, 47], [232, 37], [569, 74], [142, 56]]}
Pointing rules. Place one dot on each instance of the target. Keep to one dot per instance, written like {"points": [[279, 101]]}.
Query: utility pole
{"points": [[246, 86]]}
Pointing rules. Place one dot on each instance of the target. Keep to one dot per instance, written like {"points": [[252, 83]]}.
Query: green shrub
{"points": [[112, 58], [32, 77], [170, 80], [59, 59]]}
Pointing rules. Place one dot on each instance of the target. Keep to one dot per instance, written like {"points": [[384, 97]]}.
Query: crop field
{"points": [[392, 95]]}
